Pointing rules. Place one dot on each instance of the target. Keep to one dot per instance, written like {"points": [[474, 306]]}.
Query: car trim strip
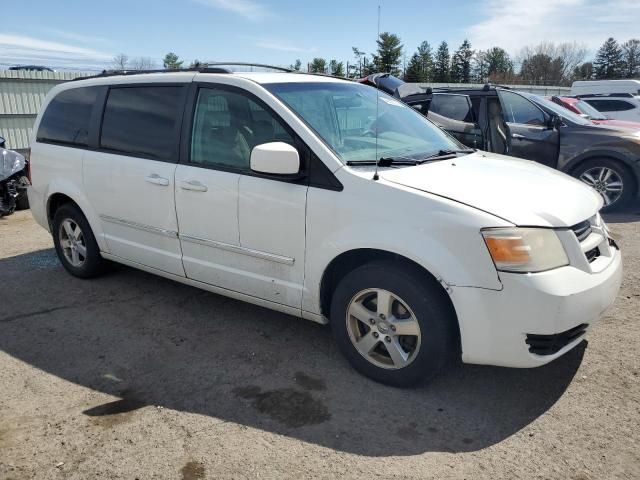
{"points": [[238, 249], [140, 226]]}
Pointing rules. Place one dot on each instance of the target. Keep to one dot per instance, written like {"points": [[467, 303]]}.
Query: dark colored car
{"points": [[528, 126]]}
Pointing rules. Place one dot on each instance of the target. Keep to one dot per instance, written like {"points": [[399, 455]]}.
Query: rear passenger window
{"points": [[66, 119], [610, 105], [455, 107], [143, 121]]}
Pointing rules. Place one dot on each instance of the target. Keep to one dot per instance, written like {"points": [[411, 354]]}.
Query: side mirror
{"points": [[275, 158], [554, 122], [2, 140]]}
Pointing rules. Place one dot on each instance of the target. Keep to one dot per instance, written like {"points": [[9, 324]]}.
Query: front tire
{"points": [[610, 178], [75, 243], [394, 324]]}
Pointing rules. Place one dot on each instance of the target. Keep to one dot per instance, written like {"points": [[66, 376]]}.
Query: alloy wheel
{"points": [[606, 181], [383, 328], [72, 243]]}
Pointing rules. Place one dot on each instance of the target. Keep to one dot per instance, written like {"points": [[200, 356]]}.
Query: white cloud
{"points": [[76, 37], [19, 49], [518, 23], [250, 10]]}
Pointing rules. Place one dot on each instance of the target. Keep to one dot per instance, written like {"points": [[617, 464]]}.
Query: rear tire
{"points": [[407, 345], [611, 178], [75, 243]]}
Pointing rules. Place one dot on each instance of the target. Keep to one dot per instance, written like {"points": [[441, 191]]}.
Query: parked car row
{"points": [[326, 199], [500, 120]]}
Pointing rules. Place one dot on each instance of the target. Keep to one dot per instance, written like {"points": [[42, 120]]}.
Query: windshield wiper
{"points": [[444, 155], [386, 161]]}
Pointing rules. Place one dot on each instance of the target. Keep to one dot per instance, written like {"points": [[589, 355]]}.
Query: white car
{"points": [[264, 187], [616, 106]]}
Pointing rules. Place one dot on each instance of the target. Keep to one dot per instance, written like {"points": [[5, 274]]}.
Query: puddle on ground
{"points": [[288, 406], [309, 383], [192, 471]]}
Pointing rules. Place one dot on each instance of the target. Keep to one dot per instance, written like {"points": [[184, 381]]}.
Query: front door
{"points": [[239, 230], [129, 178], [529, 135]]}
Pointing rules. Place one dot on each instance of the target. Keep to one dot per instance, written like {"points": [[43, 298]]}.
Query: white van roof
{"points": [[586, 87]]}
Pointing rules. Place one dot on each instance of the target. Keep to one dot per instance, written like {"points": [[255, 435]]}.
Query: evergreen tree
{"points": [[631, 58], [498, 62], [441, 66], [425, 54], [171, 61], [609, 60], [480, 67], [389, 53], [461, 63], [318, 65], [414, 69], [361, 60], [336, 68], [296, 65], [583, 72]]}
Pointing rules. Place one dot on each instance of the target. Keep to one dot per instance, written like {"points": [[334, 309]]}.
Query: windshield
{"points": [[344, 116], [557, 109], [587, 109]]}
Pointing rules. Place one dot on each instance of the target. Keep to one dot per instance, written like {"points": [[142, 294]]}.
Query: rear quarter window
{"points": [[66, 118], [610, 105], [455, 107]]}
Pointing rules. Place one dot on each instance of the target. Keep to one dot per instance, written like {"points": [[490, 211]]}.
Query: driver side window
{"points": [[517, 109], [227, 125]]}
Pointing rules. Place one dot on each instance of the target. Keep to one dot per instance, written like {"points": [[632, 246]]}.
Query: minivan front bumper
{"points": [[554, 308]]}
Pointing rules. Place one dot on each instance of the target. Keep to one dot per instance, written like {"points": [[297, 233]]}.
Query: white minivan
{"points": [[265, 187]]}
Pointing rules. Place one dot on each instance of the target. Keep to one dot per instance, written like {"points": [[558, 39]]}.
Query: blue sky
{"points": [[84, 35]]}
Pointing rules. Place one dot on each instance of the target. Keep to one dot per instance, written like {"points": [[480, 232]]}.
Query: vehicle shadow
{"points": [[628, 214], [150, 341]]}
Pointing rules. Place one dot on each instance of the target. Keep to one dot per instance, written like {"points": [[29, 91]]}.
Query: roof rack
{"points": [[211, 67]]}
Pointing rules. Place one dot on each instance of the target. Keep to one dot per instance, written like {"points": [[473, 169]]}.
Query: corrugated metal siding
{"points": [[21, 94]]}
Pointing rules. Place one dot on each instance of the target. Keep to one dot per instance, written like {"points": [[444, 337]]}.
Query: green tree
{"points": [[414, 69], [318, 65], [441, 65], [480, 67], [389, 53], [499, 63], [461, 63], [583, 72], [631, 58], [171, 61], [336, 68], [609, 60], [361, 57], [426, 61], [542, 69], [296, 65]]}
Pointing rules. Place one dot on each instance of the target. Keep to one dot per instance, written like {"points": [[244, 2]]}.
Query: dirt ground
{"points": [[135, 377]]}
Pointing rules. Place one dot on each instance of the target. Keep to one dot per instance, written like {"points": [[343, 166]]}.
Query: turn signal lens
{"points": [[525, 250]]}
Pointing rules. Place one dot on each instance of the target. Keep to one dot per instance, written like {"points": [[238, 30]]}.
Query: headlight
{"points": [[525, 249]]}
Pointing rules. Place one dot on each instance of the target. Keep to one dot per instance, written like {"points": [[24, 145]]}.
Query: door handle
{"points": [[517, 136], [157, 179], [194, 186]]}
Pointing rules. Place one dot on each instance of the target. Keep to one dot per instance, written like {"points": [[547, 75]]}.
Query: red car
{"points": [[583, 108]]}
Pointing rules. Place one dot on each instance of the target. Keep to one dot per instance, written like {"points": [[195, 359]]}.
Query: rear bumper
{"points": [[557, 307]]}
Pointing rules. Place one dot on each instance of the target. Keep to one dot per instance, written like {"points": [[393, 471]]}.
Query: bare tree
{"points": [[120, 61], [548, 63], [142, 63]]}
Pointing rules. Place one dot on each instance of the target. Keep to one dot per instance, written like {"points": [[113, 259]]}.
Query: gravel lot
{"points": [[133, 376]]}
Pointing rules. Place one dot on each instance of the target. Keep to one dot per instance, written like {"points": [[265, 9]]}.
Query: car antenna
{"points": [[375, 174]]}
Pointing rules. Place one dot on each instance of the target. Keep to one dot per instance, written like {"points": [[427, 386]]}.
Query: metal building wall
{"points": [[21, 94]]}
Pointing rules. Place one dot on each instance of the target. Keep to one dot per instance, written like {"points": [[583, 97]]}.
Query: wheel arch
{"points": [[625, 163], [352, 259]]}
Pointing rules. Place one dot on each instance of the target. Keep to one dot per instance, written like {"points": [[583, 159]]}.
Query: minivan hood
{"points": [[519, 191]]}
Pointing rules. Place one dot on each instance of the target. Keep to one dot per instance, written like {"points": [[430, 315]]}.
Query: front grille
{"points": [[582, 230], [550, 344]]}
